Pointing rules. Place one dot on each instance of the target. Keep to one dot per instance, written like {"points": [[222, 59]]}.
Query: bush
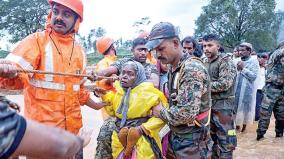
{"points": [[3, 53], [94, 58]]}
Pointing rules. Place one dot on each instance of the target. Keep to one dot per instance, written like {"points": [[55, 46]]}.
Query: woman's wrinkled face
{"points": [[127, 76]]}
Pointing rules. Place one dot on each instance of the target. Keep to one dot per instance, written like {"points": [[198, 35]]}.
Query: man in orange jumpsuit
{"points": [[105, 47], [51, 99]]}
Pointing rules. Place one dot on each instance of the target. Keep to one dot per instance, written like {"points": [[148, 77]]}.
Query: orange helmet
{"points": [[103, 44], [143, 34], [75, 5]]}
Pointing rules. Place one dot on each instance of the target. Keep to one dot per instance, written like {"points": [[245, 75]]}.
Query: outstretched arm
{"points": [[95, 105]]}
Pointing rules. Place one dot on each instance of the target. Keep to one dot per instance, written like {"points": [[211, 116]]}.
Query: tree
{"points": [[234, 21], [82, 41], [141, 24], [100, 32], [19, 18], [127, 44], [90, 40]]}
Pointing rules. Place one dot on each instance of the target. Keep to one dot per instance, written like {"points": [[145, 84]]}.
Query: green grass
{"points": [[94, 58]]}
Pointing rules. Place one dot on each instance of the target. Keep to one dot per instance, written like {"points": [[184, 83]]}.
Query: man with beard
{"points": [[245, 94], [223, 76], [52, 99], [190, 100]]}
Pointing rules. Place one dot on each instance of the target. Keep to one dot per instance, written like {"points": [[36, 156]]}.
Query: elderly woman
{"points": [[136, 134]]}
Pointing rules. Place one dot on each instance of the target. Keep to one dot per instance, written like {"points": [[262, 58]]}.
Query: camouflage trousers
{"points": [[223, 133], [273, 101], [103, 150], [197, 145]]}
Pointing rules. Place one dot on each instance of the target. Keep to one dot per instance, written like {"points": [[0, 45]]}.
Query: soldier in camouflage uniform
{"points": [[103, 150], [223, 74], [273, 99], [12, 127], [19, 136], [189, 87]]}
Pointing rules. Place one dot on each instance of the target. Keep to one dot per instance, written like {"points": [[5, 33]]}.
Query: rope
{"points": [[64, 74]]}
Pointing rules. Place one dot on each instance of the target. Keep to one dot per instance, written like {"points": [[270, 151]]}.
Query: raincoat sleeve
{"points": [[250, 72], [84, 95], [108, 98], [26, 56], [153, 125]]}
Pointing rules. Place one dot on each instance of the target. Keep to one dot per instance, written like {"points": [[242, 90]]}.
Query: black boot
{"points": [[259, 137], [244, 128]]}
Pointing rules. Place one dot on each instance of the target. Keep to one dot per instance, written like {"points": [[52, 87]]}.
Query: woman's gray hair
{"points": [[139, 70]]}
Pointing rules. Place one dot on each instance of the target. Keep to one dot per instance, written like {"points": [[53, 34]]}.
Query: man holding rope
{"points": [[52, 99]]}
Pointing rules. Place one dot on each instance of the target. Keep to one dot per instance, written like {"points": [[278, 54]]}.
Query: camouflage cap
{"points": [[159, 33]]}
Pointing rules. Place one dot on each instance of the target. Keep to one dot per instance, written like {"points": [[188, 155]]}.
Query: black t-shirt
{"points": [[12, 129]]}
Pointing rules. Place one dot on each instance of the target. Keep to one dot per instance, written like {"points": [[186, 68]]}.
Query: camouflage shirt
{"points": [[275, 68], [223, 74], [12, 129], [189, 86], [149, 68]]}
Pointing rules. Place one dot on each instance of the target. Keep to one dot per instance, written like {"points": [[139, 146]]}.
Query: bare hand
{"points": [[99, 91], [15, 106], [7, 69], [156, 110], [114, 78], [92, 76], [102, 104], [86, 135], [240, 65]]}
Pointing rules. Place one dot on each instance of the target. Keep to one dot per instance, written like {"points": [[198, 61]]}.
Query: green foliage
{"points": [[22, 17], [100, 32], [94, 58], [234, 21], [89, 42], [141, 24], [3, 54]]}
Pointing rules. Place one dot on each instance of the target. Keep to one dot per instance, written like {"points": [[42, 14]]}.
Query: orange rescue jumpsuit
{"points": [[51, 99]]}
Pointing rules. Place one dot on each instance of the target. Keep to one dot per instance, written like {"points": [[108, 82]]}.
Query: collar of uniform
{"points": [[63, 38], [111, 57], [181, 61], [218, 55]]}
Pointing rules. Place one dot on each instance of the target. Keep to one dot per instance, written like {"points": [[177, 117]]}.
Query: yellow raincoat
{"points": [[142, 98]]}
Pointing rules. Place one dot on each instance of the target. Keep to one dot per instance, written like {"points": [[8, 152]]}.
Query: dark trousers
{"points": [[79, 155], [273, 101], [259, 97]]}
